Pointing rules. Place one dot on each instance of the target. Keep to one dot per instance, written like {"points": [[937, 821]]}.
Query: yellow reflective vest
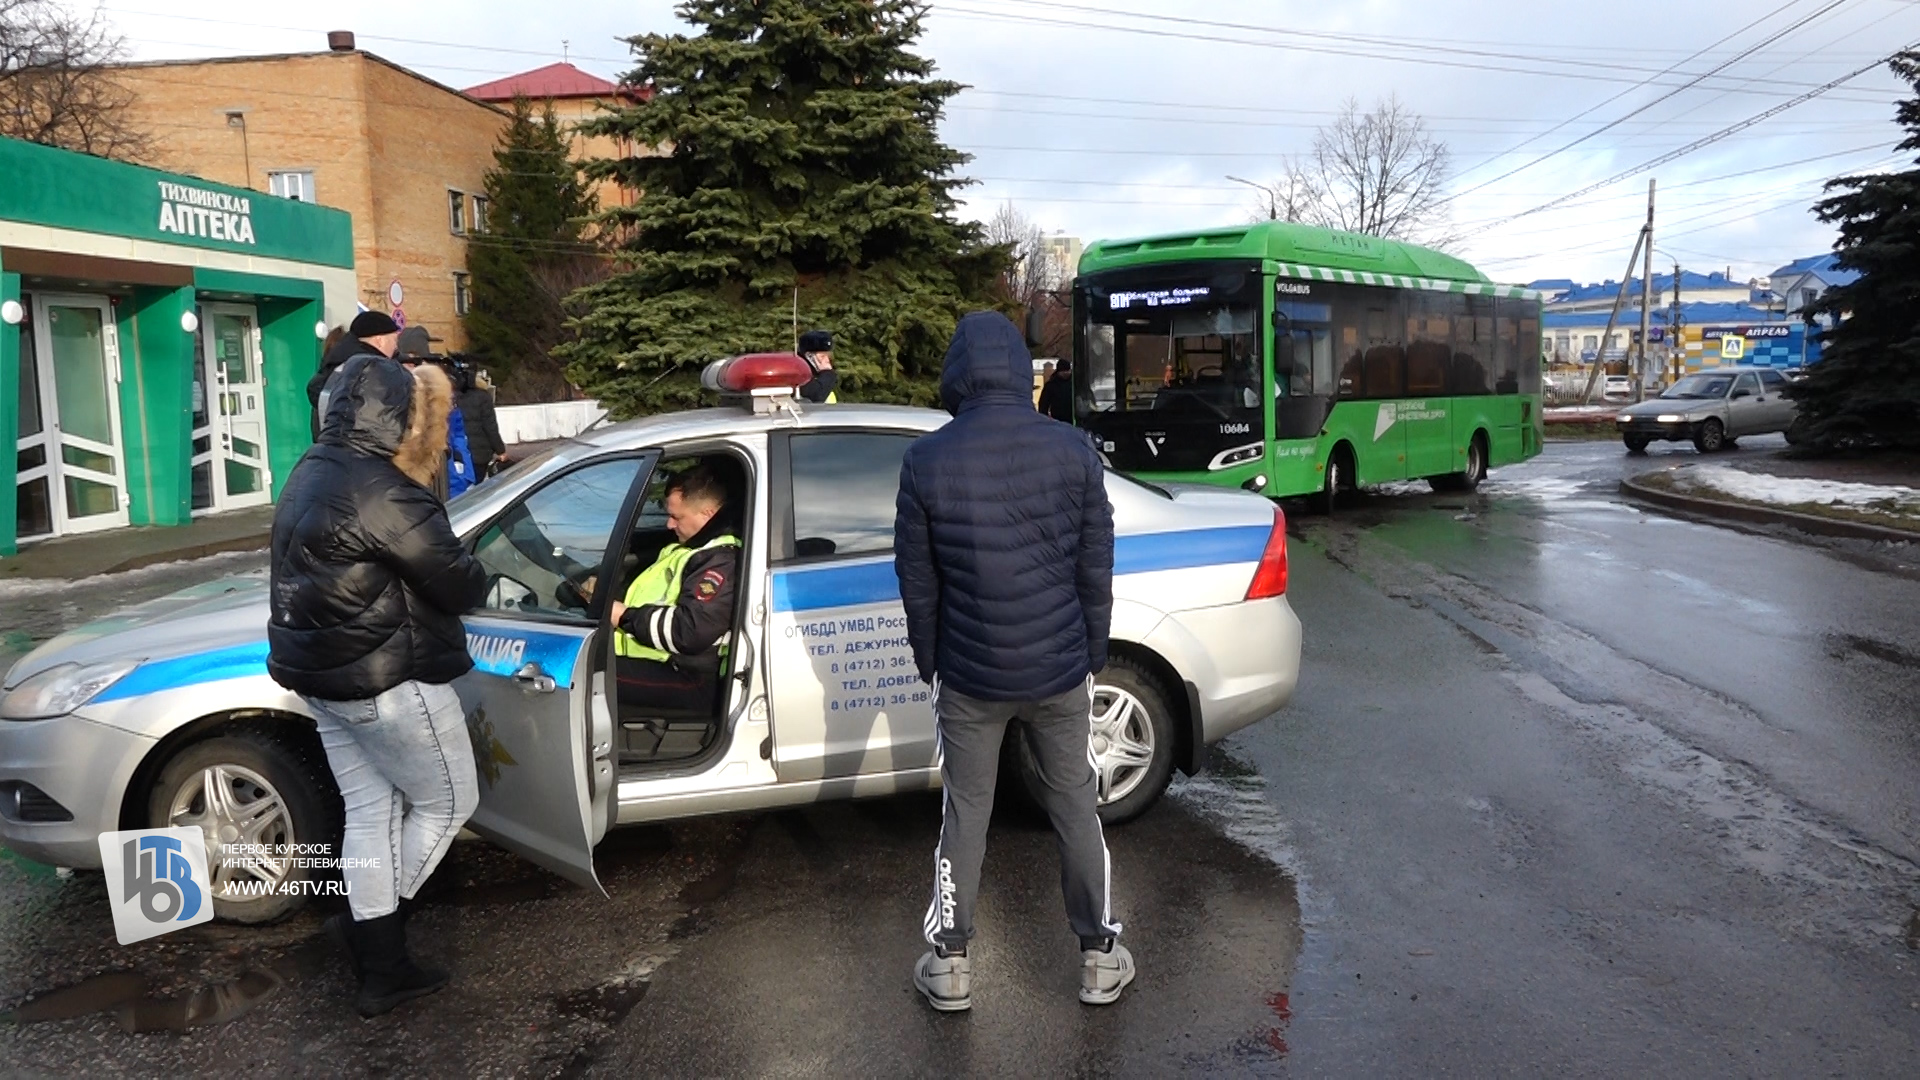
{"points": [[660, 584]]}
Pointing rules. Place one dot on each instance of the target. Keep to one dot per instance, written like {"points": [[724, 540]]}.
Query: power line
{"points": [[1696, 144], [1663, 97], [1627, 70]]}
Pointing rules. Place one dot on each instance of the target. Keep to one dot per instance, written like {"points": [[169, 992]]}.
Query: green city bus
{"points": [[1292, 360]]}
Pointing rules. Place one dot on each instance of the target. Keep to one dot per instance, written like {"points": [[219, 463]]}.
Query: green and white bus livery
{"points": [[1290, 360]]}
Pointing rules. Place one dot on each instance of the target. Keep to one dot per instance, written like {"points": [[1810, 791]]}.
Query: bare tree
{"points": [[55, 83], [1034, 268], [1377, 172]]}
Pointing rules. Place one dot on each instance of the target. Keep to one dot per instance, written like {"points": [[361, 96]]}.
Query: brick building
{"points": [[403, 154], [576, 97]]}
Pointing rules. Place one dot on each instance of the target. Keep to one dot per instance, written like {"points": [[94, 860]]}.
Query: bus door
{"points": [[1303, 384]]}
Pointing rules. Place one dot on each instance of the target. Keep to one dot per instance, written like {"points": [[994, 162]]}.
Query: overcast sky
{"points": [[1126, 118]]}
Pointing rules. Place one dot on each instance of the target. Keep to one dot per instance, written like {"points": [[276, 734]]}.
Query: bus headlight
{"points": [[1239, 455]]}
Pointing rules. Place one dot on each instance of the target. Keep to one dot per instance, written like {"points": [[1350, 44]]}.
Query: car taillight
{"points": [[1270, 577]]}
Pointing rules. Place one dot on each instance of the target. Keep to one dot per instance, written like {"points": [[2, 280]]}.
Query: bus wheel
{"points": [[1468, 478], [1339, 478]]}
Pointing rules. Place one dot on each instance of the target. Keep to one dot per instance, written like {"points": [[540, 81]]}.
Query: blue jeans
{"points": [[404, 763]]}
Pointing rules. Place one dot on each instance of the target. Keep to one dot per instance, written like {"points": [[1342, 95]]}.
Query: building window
{"points": [[480, 213], [457, 212], [462, 293], [293, 184]]}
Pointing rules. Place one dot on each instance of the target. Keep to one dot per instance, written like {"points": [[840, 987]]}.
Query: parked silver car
{"points": [[1711, 409], [163, 714]]}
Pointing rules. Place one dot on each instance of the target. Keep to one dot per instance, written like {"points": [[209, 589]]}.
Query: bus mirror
{"points": [[1036, 326]]}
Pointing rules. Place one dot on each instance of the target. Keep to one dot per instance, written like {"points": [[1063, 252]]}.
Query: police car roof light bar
{"points": [[763, 377]]}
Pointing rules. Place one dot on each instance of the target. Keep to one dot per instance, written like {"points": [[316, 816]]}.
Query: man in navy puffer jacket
{"points": [[1003, 543]]}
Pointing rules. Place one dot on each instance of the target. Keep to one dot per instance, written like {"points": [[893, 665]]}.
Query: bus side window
{"points": [[1472, 344]]}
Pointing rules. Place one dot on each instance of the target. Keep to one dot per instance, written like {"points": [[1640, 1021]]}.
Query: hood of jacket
{"points": [[987, 363], [381, 409]]}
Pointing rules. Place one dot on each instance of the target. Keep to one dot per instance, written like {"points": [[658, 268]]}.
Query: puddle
{"points": [[130, 996]]}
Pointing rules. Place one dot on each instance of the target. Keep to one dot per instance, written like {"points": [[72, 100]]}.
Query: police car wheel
{"points": [[1131, 740], [248, 788]]}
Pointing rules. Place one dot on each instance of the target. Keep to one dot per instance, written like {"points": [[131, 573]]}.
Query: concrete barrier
{"points": [[548, 421]]}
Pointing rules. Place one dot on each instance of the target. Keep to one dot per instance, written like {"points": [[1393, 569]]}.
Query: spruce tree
{"points": [[1865, 391], [798, 166], [530, 256]]}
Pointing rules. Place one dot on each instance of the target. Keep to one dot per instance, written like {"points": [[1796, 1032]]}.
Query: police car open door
{"points": [[535, 700]]}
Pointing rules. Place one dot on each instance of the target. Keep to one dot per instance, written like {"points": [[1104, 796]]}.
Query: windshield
{"points": [[1699, 386], [1181, 344]]}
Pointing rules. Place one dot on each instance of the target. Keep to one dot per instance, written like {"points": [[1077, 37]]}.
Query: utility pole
{"points": [[1646, 303], [1613, 316], [1676, 348], [1273, 202]]}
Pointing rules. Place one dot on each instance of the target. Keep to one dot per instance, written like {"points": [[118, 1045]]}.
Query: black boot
{"points": [[390, 976], [341, 929]]}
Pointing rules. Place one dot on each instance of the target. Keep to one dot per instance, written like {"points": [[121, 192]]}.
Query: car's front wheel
{"points": [[1710, 437], [1636, 444], [1132, 739], [266, 799]]}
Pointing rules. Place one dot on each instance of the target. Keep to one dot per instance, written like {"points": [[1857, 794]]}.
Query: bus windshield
{"points": [[1171, 373]]}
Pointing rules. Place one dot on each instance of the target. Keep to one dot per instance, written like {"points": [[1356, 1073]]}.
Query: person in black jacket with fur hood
{"points": [[368, 586]]}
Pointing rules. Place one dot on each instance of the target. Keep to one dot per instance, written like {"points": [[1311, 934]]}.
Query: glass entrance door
{"points": [[230, 424], [78, 357], [33, 455]]}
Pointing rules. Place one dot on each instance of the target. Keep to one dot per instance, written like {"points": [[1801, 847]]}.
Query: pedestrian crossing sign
{"points": [[1733, 347]]}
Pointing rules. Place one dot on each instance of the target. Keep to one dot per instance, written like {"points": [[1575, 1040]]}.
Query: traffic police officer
{"points": [[816, 348], [673, 625]]}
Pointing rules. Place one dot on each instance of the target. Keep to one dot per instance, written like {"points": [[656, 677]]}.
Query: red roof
{"points": [[552, 81]]}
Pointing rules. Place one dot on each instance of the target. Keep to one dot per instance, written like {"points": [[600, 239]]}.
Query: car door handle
{"points": [[535, 679]]}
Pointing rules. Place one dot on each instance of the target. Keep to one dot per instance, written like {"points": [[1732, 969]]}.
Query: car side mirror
{"points": [[1738, 394]]}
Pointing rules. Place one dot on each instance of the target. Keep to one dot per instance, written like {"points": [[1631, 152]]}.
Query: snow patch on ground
{"points": [[212, 564], [1581, 412], [1893, 501]]}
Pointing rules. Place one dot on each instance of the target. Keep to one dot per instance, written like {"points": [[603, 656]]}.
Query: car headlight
{"points": [[1624, 418], [61, 689], [1671, 418]]}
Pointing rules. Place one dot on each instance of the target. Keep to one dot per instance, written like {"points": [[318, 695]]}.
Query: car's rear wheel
{"points": [[1710, 437], [1132, 739], [1636, 444], [247, 788]]}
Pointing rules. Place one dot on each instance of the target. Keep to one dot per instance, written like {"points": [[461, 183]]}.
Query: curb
{"points": [[1757, 515], [256, 542]]}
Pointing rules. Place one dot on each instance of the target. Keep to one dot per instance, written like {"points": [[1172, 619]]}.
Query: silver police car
{"points": [[163, 714]]}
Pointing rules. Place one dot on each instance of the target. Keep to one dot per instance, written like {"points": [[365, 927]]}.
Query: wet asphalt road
{"points": [[1567, 788]]}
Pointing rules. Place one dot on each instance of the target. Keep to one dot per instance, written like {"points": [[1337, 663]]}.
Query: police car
{"points": [[164, 714]]}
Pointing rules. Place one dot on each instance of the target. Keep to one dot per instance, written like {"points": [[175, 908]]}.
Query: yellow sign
{"points": [[1733, 347]]}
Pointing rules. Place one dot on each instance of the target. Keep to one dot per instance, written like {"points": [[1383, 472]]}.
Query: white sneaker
{"points": [[947, 981], [1104, 974]]}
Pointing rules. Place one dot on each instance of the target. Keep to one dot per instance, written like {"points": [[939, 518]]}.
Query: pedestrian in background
{"points": [[1003, 544], [1056, 395], [816, 348], [473, 396], [371, 333], [368, 586]]}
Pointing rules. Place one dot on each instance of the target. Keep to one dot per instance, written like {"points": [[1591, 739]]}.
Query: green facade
{"points": [[159, 356]]}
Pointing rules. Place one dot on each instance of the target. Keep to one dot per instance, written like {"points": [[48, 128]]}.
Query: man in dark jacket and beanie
{"points": [[370, 334], [369, 583], [816, 348], [1003, 544]]}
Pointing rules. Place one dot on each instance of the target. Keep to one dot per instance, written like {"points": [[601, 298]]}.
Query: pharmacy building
{"points": [[157, 332]]}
